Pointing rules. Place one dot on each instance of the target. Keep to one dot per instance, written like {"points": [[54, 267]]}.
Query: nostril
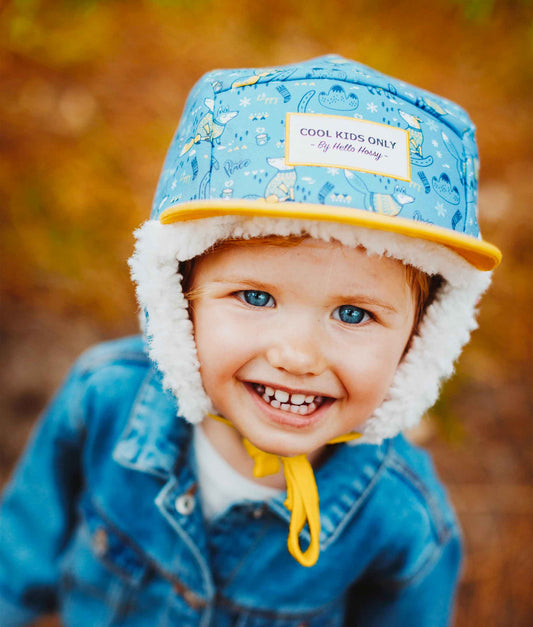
{"points": [[296, 361]]}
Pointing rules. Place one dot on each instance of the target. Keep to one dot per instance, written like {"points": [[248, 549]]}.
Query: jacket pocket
{"points": [[101, 573]]}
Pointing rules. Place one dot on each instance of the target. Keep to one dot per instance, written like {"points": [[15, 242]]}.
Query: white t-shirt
{"points": [[220, 484]]}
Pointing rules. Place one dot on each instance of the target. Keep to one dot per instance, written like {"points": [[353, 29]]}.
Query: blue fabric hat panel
{"points": [[327, 132]]}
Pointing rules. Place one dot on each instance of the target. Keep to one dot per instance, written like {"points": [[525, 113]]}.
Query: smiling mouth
{"points": [[295, 403]]}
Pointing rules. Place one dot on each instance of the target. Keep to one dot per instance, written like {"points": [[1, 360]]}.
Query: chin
{"points": [[285, 446]]}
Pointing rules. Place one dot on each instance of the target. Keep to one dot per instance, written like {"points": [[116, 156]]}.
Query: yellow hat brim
{"points": [[482, 255]]}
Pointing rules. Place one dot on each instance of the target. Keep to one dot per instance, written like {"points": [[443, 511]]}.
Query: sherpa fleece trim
{"points": [[443, 332]]}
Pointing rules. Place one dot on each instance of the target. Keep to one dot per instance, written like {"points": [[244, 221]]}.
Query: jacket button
{"points": [[100, 541], [258, 512], [184, 504]]}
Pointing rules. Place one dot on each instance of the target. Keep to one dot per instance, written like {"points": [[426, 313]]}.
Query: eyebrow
{"points": [[367, 301], [252, 283]]}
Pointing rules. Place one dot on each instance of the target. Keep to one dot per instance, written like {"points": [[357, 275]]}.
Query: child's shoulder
{"points": [[418, 518], [414, 468], [113, 366], [116, 397], [400, 511], [410, 480], [105, 380], [123, 351], [394, 474]]}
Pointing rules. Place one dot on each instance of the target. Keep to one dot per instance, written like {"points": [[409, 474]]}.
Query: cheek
{"points": [[371, 369], [220, 343]]}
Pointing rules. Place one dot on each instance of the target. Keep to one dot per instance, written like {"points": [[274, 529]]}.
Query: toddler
{"points": [[307, 279]]}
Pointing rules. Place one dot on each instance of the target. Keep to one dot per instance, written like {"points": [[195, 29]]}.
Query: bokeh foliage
{"points": [[93, 91]]}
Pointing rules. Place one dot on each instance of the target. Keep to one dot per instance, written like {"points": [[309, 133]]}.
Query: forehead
{"points": [[285, 259]]}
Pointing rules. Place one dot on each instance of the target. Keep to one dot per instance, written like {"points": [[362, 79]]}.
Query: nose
{"points": [[297, 352]]}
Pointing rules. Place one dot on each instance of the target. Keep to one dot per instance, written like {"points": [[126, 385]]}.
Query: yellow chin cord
{"points": [[302, 494]]}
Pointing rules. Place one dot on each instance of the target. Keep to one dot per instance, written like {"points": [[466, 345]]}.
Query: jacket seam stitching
{"points": [[149, 561], [359, 502], [402, 583], [270, 614], [438, 521]]}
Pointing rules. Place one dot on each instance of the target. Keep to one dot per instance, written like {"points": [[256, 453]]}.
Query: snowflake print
{"points": [[372, 107], [245, 102], [440, 209]]}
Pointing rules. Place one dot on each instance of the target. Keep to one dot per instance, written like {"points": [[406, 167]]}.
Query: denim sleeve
{"points": [[38, 508], [426, 599]]}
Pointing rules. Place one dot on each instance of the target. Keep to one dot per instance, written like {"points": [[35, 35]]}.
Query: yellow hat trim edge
{"points": [[480, 254]]}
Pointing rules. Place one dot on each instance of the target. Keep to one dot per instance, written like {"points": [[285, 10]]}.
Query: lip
{"points": [[285, 418]]}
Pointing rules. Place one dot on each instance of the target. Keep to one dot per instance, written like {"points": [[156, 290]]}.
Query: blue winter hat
{"points": [[327, 139]]}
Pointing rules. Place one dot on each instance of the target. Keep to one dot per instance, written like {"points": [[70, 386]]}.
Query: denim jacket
{"points": [[102, 522]]}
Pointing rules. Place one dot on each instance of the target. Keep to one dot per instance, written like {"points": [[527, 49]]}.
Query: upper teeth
{"points": [[297, 399], [281, 396], [284, 397]]}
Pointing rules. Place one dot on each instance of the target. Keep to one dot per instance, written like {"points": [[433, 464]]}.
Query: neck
{"points": [[229, 444]]}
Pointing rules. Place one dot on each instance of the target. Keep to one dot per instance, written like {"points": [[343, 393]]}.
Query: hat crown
{"points": [[327, 131]]}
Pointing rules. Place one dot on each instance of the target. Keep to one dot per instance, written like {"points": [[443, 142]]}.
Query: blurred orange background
{"points": [[92, 92]]}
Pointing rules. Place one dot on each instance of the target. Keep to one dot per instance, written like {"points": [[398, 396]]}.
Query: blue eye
{"points": [[351, 314], [256, 298]]}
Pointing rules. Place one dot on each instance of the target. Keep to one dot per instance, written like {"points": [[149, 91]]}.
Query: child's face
{"points": [[321, 325]]}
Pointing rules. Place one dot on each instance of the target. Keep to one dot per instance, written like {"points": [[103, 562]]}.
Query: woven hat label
{"points": [[342, 142]]}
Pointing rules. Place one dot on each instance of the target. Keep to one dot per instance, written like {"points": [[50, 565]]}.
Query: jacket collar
{"points": [[344, 482], [155, 436]]}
